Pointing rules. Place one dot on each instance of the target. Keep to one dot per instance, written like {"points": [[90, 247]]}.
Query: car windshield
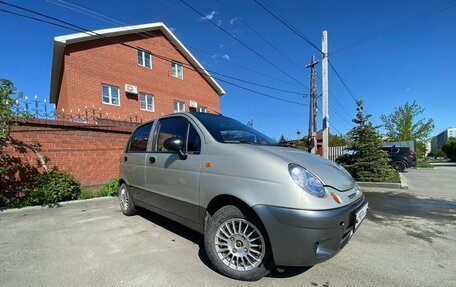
{"points": [[228, 130]]}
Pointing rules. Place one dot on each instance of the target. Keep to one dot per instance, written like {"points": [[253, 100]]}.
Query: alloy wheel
{"points": [[239, 244]]}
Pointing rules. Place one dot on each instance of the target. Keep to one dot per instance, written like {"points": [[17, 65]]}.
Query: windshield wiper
{"points": [[238, 141], [249, 142]]}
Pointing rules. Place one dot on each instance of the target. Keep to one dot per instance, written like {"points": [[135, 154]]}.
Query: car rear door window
{"points": [[140, 138]]}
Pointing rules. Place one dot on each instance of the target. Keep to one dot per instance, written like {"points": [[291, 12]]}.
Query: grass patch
{"points": [[421, 163], [110, 189], [394, 177], [87, 194]]}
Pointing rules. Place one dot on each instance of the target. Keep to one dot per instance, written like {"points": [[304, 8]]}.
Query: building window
{"points": [[202, 109], [110, 95], [179, 107], [177, 70], [145, 59], [146, 102]]}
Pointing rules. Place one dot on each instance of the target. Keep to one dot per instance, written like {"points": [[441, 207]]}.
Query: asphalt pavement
{"points": [[408, 239]]}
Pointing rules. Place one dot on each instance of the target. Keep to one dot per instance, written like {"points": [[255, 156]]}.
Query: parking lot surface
{"points": [[406, 240]]}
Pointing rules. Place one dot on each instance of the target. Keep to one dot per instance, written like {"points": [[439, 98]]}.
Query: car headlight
{"points": [[306, 180]]}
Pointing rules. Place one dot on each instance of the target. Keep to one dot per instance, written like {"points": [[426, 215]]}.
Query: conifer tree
{"points": [[365, 160]]}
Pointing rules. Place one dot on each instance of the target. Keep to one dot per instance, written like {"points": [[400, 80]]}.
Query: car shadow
{"points": [[197, 238], [179, 230]]}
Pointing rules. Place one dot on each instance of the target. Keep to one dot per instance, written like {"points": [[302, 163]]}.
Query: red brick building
{"points": [[143, 70]]}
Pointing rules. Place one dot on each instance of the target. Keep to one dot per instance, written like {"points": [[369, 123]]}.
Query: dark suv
{"points": [[401, 157]]}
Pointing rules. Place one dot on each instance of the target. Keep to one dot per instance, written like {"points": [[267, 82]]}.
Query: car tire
{"points": [[399, 165], [237, 244], [126, 202]]}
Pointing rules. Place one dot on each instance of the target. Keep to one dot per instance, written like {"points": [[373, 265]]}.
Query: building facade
{"points": [[139, 70], [438, 141]]}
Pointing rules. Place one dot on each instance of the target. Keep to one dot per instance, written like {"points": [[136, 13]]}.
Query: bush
{"points": [[110, 189], [421, 163], [86, 194], [53, 187], [449, 148]]}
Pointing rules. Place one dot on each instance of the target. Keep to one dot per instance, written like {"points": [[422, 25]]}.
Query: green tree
{"points": [[420, 149], [338, 140], [439, 153], [282, 140], [10, 117], [365, 160], [449, 148], [403, 124]]}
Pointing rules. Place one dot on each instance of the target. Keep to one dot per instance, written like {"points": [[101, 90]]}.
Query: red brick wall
{"points": [[91, 153], [89, 64]]}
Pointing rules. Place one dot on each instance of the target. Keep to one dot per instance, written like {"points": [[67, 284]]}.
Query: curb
{"points": [[380, 184], [54, 205], [404, 184]]}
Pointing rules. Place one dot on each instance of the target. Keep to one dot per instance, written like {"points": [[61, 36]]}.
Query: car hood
{"points": [[330, 173]]}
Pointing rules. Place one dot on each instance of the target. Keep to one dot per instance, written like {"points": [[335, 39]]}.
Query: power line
{"points": [[284, 22], [240, 42], [303, 37], [346, 115], [34, 18], [144, 33], [390, 28], [341, 80], [259, 35], [242, 66], [91, 33], [260, 93]]}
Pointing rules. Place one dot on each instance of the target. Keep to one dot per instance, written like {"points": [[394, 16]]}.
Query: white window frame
{"points": [[183, 106], [143, 63], [110, 87], [176, 75], [146, 95], [201, 107]]}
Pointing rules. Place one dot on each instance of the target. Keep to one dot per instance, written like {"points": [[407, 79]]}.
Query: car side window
{"points": [[140, 138], [171, 127], [194, 140]]}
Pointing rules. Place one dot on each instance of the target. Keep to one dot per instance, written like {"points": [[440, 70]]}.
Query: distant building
{"points": [[438, 141]]}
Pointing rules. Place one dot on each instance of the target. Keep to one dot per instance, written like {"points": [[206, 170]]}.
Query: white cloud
{"points": [[209, 16], [221, 46], [214, 56], [219, 22], [408, 89], [173, 29], [226, 57], [232, 20]]}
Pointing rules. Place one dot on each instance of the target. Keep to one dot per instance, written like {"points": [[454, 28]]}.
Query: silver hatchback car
{"points": [[258, 204]]}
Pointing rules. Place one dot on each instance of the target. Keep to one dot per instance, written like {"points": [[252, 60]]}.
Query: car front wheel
{"points": [[236, 244]]}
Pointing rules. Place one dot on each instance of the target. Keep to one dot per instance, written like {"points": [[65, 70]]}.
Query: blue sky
{"points": [[412, 62]]}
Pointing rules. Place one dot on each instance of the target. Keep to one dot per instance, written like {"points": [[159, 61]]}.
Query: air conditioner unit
{"points": [[193, 104], [131, 89]]}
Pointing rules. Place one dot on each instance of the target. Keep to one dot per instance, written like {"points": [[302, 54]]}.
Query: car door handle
{"points": [[152, 160]]}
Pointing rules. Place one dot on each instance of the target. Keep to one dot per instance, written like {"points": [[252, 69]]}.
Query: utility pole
{"points": [[312, 138], [324, 86]]}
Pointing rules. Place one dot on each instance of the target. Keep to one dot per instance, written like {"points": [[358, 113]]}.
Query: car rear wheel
{"points": [[237, 245], [126, 203], [399, 165]]}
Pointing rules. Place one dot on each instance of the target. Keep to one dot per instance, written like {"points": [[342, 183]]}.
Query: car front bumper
{"points": [[306, 237]]}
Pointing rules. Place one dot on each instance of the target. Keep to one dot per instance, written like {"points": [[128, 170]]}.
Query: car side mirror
{"points": [[177, 145]]}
